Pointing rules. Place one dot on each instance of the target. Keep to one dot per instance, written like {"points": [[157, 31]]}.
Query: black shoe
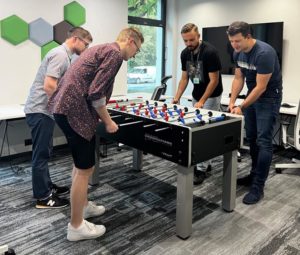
{"points": [[10, 251], [60, 190], [52, 202], [245, 181], [254, 196], [199, 176]]}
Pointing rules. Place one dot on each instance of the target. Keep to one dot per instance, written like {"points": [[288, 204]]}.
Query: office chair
{"points": [[290, 141], [160, 90]]}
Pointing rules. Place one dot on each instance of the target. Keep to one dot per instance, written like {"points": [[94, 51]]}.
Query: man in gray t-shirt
{"points": [[41, 122]]}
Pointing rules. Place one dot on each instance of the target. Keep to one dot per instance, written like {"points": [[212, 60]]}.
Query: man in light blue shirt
{"points": [[41, 122]]}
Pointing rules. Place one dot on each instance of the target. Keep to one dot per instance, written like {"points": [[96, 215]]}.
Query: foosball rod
{"points": [[195, 114]]}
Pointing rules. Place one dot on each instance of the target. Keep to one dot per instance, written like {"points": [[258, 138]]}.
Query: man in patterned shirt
{"points": [[77, 105]]}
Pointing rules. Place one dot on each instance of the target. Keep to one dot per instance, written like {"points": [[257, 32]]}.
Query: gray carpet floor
{"points": [[141, 210]]}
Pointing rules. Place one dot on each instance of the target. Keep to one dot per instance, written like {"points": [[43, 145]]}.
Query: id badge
{"points": [[196, 80]]}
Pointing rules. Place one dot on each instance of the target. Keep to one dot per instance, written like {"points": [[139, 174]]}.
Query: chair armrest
{"points": [[284, 135], [285, 123]]}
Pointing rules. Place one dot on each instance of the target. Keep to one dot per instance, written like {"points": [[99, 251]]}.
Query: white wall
{"points": [[171, 45], [18, 64], [206, 13]]}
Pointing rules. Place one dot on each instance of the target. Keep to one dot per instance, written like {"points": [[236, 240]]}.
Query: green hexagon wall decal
{"points": [[14, 29], [74, 13], [49, 46]]}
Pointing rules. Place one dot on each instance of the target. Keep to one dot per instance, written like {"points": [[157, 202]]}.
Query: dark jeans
{"points": [[260, 120], [42, 128]]}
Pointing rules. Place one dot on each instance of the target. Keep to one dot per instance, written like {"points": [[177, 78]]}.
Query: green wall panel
{"points": [[14, 29], [47, 47], [74, 13]]}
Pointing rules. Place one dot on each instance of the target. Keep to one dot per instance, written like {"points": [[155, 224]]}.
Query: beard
{"points": [[192, 48]]}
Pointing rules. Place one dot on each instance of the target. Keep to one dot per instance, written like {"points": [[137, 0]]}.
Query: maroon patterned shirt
{"points": [[90, 78]]}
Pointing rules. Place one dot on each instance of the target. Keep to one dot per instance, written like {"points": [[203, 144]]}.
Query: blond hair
{"points": [[131, 32]]}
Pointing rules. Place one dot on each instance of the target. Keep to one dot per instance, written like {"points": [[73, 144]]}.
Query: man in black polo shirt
{"points": [[200, 64]]}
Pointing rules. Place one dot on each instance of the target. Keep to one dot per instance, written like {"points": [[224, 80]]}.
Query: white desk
{"points": [[11, 111], [289, 111], [282, 110]]}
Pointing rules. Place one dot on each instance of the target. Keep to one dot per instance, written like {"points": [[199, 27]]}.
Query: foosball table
{"points": [[183, 135]]}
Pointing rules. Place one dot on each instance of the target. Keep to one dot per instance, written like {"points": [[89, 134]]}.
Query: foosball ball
{"points": [[184, 135]]}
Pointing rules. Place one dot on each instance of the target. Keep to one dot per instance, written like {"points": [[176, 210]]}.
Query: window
{"points": [[147, 68]]}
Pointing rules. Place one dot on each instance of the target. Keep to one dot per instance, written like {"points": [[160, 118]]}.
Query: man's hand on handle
{"points": [[111, 127]]}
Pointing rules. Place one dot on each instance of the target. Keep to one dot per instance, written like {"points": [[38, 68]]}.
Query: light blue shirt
{"points": [[55, 64]]}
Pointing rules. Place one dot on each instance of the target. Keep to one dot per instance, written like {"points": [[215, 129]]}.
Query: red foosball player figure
{"points": [[166, 118]]}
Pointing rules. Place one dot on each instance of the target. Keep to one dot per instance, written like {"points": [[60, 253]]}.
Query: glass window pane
{"points": [[150, 9], [144, 71]]}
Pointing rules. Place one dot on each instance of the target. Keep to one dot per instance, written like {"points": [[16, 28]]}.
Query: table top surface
{"points": [[11, 111]]}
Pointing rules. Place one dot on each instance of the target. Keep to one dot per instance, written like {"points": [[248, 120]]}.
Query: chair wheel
{"points": [[278, 170]]}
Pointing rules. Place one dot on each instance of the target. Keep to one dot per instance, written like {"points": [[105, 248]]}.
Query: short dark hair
{"points": [[80, 32], [188, 28], [239, 27]]}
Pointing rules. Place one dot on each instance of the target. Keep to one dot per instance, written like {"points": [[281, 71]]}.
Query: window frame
{"points": [[155, 23]]}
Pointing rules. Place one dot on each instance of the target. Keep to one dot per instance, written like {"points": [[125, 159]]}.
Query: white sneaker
{"points": [[86, 230], [93, 210]]}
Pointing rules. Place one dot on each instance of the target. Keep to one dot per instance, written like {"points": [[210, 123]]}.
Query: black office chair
{"points": [[160, 90]]}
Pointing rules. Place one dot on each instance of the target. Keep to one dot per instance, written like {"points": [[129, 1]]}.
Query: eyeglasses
{"points": [[86, 44], [137, 47]]}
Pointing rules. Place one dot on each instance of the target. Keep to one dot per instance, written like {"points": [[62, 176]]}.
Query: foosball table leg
{"points": [[137, 159], [184, 207]]}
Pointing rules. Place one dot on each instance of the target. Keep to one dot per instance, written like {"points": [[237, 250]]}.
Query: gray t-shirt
{"points": [[55, 64]]}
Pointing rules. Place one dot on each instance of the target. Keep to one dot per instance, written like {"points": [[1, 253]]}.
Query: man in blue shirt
{"points": [[257, 62]]}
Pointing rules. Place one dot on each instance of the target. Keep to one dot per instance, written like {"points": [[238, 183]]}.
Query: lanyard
{"points": [[192, 55]]}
